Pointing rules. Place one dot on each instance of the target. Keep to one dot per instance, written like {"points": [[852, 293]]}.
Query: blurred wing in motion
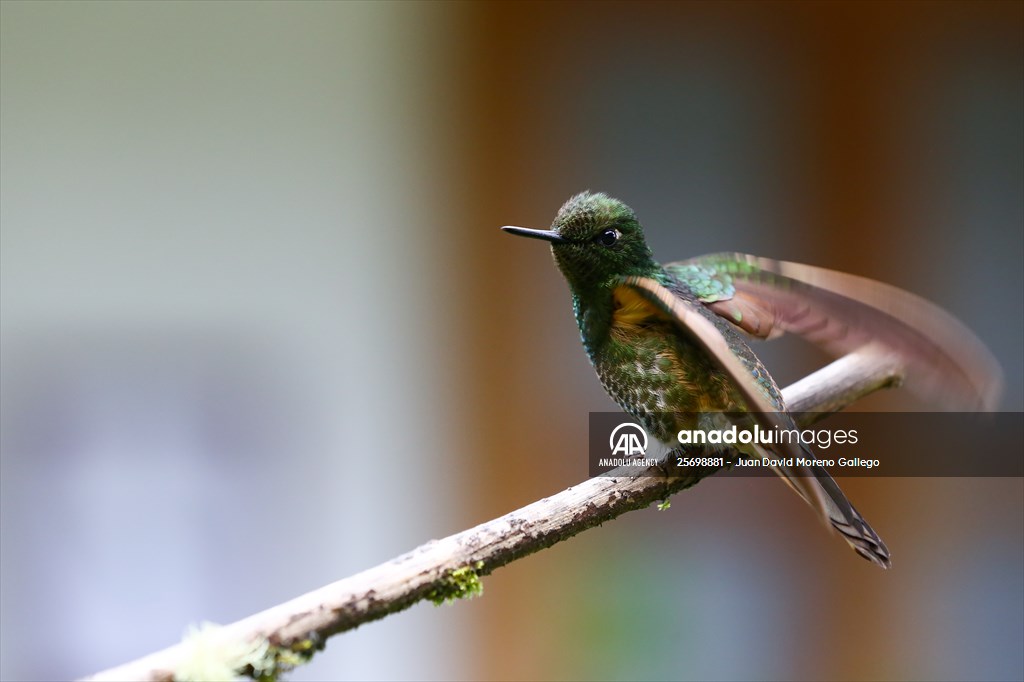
{"points": [[943, 361]]}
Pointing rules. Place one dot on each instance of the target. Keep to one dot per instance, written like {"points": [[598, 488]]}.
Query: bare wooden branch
{"points": [[843, 382], [449, 567]]}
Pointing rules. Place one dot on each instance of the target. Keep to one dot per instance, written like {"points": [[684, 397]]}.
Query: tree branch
{"points": [[451, 567]]}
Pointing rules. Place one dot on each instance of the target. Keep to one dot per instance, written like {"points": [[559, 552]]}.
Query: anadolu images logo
{"points": [[628, 440]]}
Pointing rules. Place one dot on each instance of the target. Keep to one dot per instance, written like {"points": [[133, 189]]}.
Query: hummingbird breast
{"points": [[652, 372]]}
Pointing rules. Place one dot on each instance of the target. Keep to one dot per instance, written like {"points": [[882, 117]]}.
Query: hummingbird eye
{"points": [[608, 238]]}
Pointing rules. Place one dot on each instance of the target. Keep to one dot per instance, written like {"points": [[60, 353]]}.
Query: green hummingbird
{"points": [[668, 341]]}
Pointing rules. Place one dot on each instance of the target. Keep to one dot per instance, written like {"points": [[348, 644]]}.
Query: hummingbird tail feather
{"points": [[838, 512]]}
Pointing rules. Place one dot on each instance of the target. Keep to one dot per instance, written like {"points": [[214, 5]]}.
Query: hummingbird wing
{"points": [[942, 359], [731, 355]]}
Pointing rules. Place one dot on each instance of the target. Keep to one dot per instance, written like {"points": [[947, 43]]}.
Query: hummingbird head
{"points": [[594, 239]]}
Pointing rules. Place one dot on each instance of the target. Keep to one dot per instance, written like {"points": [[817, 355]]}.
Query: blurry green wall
{"points": [[260, 331], [225, 327]]}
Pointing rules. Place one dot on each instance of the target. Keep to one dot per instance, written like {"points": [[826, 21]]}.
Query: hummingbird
{"points": [[669, 341]]}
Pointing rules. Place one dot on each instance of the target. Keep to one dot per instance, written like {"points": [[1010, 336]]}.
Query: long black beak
{"points": [[546, 235]]}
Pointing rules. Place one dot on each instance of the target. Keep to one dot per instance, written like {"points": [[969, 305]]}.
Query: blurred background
{"points": [[260, 329]]}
